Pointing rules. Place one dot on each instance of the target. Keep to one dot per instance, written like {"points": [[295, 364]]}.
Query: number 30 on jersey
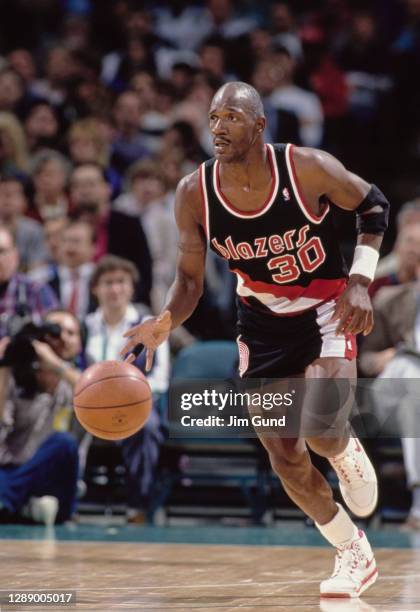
{"points": [[288, 267]]}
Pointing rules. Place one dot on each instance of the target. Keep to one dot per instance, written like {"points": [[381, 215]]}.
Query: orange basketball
{"points": [[112, 400]]}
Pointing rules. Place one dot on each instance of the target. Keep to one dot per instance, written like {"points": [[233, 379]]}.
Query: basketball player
{"points": [[267, 210]]}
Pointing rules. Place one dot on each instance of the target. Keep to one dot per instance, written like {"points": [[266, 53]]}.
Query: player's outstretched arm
{"points": [[187, 287], [322, 176]]}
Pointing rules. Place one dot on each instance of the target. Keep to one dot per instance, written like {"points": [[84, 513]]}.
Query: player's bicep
{"points": [[191, 239], [344, 188], [331, 179]]}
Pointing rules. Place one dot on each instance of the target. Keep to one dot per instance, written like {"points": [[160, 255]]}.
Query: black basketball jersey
{"points": [[286, 258]]}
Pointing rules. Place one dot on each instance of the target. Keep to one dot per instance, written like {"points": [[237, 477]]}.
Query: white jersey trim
{"points": [[267, 206], [310, 216], [332, 345], [205, 200]]}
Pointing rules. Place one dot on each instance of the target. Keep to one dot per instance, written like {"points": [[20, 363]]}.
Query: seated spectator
{"points": [[224, 21], [113, 283], [283, 30], [392, 351], [71, 283], [19, 295], [42, 126], [367, 66], [163, 103], [408, 214], [289, 97], [173, 167], [154, 120], [407, 252], [39, 466], [11, 90], [137, 56], [50, 172], [136, 51], [194, 110], [59, 72], [53, 233], [261, 44], [66, 357], [87, 144], [63, 353], [181, 136], [213, 59], [183, 25], [365, 59], [22, 62], [146, 199], [116, 232], [322, 74], [29, 235], [13, 150], [282, 125], [129, 144]]}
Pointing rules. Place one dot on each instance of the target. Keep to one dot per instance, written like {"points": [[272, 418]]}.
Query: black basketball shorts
{"points": [[273, 346]]}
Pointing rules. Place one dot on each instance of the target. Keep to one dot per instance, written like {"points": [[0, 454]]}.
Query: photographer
{"points": [[39, 467], [18, 294]]}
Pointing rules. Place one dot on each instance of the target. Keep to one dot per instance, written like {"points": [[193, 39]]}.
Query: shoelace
{"points": [[347, 560], [348, 468]]}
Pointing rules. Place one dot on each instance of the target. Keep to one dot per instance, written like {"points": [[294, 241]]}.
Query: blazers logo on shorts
{"points": [[243, 356]]}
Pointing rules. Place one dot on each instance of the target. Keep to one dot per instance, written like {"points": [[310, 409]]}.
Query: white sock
{"points": [[415, 504], [340, 530]]}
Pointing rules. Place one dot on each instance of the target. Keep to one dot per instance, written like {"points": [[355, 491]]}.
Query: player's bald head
{"points": [[241, 95]]}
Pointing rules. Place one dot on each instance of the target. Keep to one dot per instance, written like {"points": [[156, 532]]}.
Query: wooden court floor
{"points": [[185, 577]]}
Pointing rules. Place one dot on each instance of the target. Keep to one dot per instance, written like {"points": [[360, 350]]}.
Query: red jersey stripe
{"points": [[322, 289]]}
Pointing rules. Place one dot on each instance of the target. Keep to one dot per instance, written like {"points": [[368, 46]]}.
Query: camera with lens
{"points": [[20, 354]]}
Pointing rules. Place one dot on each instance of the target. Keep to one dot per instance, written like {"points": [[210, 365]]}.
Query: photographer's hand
{"points": [[47, 355], [51, 360]]}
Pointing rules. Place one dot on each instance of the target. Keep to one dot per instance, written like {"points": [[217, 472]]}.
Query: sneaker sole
{"points": [[367, 582]]}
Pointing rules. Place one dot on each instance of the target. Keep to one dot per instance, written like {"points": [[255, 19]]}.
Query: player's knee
{"points": [[286, 465]]}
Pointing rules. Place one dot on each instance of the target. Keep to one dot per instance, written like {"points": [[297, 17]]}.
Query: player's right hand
{"points": [[150, 333]]}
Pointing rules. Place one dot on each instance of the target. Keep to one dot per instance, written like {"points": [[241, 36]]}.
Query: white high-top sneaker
{"points": [[357, 478], [354, 570]]}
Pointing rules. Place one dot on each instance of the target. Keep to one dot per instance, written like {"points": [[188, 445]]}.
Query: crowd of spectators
{"points": [[103, 108]]}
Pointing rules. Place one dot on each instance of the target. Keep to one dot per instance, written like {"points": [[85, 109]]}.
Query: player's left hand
{"points": [[353, 310]]}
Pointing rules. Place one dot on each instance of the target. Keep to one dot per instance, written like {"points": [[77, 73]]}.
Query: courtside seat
{"points": [[192, 466]]}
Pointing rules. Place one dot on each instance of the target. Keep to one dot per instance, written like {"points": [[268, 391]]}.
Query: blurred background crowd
{"points": [[103, 109]]}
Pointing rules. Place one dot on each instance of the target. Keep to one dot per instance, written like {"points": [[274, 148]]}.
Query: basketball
{"points": [[112, 400]]}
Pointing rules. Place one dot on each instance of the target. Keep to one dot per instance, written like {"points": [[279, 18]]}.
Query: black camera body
{"points": [[20, 355]]}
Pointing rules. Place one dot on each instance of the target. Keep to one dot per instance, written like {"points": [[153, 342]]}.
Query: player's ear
{"points": [[261, 124]]}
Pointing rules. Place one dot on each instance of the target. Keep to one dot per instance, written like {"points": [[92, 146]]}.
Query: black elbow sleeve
{"points": [[373, 213]]}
